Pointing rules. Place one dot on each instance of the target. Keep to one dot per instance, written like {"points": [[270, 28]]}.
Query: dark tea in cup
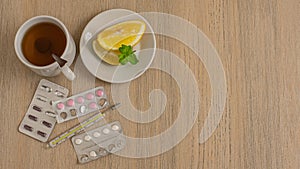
{"points": [[47, 36]]}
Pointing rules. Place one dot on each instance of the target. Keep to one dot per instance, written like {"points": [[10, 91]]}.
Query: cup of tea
{"points": [[42, 42]]}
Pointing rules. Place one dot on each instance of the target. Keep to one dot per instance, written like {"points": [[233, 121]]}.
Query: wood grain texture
{"points": [[258, 42]]}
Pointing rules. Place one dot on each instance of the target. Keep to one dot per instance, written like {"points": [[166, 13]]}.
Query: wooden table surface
{"points": [[258, 43]]}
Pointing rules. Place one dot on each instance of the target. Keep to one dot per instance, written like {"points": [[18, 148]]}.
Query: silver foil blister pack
{"points": [[80, 104], [39, 120], [99, 142]]}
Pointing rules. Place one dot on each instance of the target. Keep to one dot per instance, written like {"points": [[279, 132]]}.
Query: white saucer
{"points": [[145, 50]]}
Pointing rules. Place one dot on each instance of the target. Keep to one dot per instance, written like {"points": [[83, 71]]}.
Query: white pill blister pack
{"points": [[99, 142], [39, 120], [80, 104]]}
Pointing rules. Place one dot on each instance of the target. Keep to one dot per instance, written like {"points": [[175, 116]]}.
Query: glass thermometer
{"points": [[78, 128]]}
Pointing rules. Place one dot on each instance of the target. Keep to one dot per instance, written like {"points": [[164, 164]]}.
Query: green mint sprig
{"points": [[127, 55]]}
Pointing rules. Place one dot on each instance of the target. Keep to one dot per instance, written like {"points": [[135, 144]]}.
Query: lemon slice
{"points": [[110, 57], [127, 33]]}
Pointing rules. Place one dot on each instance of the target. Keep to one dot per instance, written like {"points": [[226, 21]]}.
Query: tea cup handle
{"points": [[68, 72]]}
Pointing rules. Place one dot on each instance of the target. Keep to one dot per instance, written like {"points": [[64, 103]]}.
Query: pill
{"points": [[82, 109], [89, 96], [93, 154], [63, 115], [115, 127], [99, 93], [28, 128], [78, 141], [87, 138], [105, 131], [60, 106], [41, 133], [50, 113], [102, 102], [31, 117], [70, 103], [42, 98], [47, 124], [111, 147], [96, 134], [80, 99], [93, 105], [37, 108], [46, 88], [59, 94], [73, 112], [102, 152], [84, 158]]}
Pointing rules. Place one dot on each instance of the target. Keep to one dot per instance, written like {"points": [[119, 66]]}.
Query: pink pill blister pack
{"points": [[39, 120], [80, 104], [99, 142]]}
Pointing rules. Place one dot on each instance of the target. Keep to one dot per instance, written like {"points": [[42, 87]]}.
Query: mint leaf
{"points": [[125, 49], [132, 59], [127, 55], [123, 61], [122, 56]]}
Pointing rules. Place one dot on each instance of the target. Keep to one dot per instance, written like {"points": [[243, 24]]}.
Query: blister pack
{"points": [[99, 142], [39, 120], [80, 127], [80, 104]]}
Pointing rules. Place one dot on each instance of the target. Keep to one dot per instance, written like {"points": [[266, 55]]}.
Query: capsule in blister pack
{"points": [[99, 142], [80, 104], [39, 120]]}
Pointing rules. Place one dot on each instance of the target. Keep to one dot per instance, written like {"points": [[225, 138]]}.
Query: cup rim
{"points": [[16, 42]]}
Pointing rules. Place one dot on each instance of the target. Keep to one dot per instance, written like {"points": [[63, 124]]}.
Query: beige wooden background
{"points": [[258, 42]]}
